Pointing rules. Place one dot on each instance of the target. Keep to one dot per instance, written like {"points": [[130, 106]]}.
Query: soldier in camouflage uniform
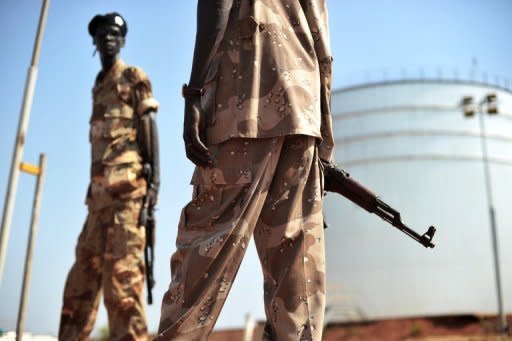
{"points": [[109, 252], [257, 121]]}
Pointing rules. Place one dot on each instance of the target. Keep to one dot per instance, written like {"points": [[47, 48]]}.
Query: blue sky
{"points": [[371, 40]]}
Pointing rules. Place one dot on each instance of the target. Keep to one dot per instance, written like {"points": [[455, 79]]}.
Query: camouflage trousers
{"points": [[109, 260], [272, 189]]}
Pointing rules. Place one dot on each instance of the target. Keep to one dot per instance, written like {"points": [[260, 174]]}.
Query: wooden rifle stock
{"points": [[338, 181]]}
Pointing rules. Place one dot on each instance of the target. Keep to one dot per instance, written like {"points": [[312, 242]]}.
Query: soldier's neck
{"points": [[107, 62]]}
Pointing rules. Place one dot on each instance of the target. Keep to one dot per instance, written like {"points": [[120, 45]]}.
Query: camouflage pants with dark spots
{"points": [[109, 260], [272, 189]]}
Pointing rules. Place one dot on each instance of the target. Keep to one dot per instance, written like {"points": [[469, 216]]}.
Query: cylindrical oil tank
{"points": [[410, 142]]}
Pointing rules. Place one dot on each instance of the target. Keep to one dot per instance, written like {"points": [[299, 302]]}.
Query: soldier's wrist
{"points": [[191, 92]]}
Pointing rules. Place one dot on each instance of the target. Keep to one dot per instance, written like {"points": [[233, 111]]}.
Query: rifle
{"points": [[147, 219], [338, 181]]}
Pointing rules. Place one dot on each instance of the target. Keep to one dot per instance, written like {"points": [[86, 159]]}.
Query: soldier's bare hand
{"points": [[194, 134]]}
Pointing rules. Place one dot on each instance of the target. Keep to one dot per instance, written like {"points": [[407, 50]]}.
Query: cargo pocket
{"points": [[217, 199], [129, 237], [121, 178], [124, 91]]}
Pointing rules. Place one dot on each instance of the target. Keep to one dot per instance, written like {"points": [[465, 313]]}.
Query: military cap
{"points": [[113, 18]]}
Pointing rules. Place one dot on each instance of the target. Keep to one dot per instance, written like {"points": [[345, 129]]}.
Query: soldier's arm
{"points": [[316, 15], [146, 107], [212, 20], [150, 150]]}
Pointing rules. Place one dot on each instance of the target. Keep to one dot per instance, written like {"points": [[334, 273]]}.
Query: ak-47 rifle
{"points": [[338, 181], [147, 219]]}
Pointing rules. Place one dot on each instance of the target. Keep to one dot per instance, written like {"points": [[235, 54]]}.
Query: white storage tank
{"points": [[410, 142]]}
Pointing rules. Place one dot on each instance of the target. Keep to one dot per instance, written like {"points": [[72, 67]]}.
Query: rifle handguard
{"points": [[339, 181]]}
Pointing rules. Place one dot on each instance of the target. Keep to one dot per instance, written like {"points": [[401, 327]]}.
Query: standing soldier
{"points": [[257, 122], [124, 177]]}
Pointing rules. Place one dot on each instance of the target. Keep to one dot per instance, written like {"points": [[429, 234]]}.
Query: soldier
{"points": [[257, 122], [124, 141]]}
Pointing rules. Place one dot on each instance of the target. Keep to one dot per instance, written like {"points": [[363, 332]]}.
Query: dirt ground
{"points": [[446, 328], [443, 328]]}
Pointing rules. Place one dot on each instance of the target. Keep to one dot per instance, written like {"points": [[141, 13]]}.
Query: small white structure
{"points": [[11, 336]]}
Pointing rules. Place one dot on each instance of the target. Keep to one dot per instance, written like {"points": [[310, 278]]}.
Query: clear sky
{"points": [[371, 40]]}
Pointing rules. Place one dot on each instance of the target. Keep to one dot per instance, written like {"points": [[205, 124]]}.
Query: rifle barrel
{"points": [[149, 275], [392, 216]]}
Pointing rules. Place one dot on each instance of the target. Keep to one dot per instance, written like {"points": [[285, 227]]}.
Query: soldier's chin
{"points": [[109, 52]]}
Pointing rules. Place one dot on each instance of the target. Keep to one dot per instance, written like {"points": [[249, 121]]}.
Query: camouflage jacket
{"points": [[270, 72], [119, 98]]}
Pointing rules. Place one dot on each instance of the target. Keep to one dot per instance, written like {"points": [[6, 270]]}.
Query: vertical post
{"points": [[492, 220], [249, 327], [30, 248], [20, 139]]}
